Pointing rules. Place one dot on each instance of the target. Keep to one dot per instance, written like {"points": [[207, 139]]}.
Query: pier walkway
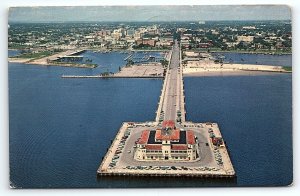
{"points": [[171, 105]]}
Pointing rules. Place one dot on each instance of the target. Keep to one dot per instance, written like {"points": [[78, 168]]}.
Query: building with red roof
{"points": [[166, 144], [168, 124], [144, 138], [173, 135]]}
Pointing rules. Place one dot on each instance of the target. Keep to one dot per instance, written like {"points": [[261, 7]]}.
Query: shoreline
{"points": [[245, 52], [252, 52], [231, 73], [30, 62], [210, 66], [162, 50]]}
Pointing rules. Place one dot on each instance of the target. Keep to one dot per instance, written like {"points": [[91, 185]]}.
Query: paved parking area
{"points": [[141, 71], [123, 149]]}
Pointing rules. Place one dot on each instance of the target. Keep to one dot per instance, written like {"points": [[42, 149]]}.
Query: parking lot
{"points": [[121, 159]]}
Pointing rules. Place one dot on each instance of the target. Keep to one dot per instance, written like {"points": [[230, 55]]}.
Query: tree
{"points": [[129, 62], [164, 62]]}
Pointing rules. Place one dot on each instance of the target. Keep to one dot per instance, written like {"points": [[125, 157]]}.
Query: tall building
{"points": [[130, 32]]}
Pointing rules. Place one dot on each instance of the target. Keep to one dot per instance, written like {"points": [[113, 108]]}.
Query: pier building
{"points": [[167, 143]]}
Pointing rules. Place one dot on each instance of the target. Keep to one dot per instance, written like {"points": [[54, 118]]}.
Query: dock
{"points": [[109, 76], [212, 159]]}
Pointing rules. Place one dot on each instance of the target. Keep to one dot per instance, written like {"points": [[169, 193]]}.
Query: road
{"points": [[173, 94]]}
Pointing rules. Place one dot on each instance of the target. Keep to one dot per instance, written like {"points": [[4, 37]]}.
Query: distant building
{"points": [[146, 41], [130, 32], [185, 43], [249, 27], [245, 38], [204, 45], [166, 144]]}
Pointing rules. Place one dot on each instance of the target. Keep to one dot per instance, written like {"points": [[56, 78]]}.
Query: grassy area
{"points": [[286, 68], [89, 65], [35, 55]]}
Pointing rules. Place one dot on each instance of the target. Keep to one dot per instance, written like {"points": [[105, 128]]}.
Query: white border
{"points": [[4, 172]]}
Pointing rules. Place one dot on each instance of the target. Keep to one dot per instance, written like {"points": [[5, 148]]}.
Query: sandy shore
{"points": [[18, 60], [45, 60], [208, 67], [229, 73]]}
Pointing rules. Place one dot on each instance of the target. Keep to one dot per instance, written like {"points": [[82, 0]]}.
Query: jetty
{"points": [[169, 145], [108, 76]]}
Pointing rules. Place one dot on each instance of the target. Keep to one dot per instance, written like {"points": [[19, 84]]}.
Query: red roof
{"points": [[179, 147], [174, 135], [153, 147], [168, 123], [190, 137], [144, 137]]}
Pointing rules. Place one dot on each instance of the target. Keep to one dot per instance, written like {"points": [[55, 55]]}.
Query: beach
{"points": [[208, 67]]}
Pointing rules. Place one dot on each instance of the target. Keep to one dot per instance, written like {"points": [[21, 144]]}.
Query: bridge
{"points": [[171, 105]]}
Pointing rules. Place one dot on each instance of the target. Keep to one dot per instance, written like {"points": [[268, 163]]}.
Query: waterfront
{"points": [[12, 53], [104, 61], [256, 59], [60, 129]]}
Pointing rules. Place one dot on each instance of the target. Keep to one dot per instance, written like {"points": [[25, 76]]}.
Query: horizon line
{"points": [[108, 21]]}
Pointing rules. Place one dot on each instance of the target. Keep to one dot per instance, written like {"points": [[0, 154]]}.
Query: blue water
{"points": [[259, 59], [60, 128], [255, 117], [12, 53]]}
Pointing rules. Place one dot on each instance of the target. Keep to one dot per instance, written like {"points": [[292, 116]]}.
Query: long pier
{"points": [[109, 76], [212, 160], [171, 104]]}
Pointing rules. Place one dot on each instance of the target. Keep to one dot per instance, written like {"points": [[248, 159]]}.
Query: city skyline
{"points": [[148, 13]]}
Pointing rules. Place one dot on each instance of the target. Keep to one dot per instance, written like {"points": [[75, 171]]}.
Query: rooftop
{"points": [[172, 135], [144, 137]]}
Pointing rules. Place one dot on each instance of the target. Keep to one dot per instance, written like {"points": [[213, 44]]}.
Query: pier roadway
{"points": [[173, 93]]}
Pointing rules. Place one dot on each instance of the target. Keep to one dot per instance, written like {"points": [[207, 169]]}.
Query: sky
{"points": [[149, 13]]}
